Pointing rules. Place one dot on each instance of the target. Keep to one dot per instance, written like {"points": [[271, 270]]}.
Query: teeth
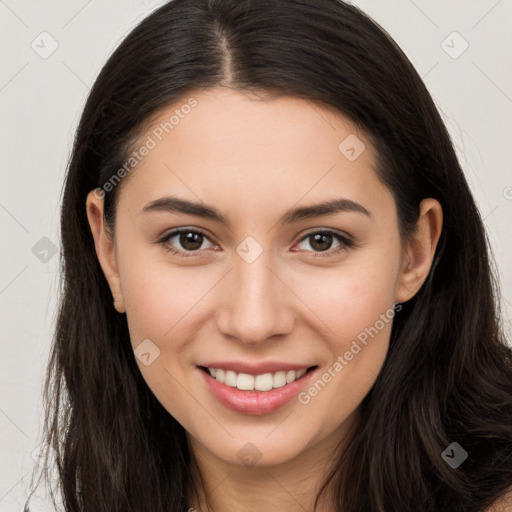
{"points": [[264, 382], [230, 378], [279, 379], [290, 376], [245, 382]]}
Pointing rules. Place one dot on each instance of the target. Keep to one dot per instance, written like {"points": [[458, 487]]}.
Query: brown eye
{"points": [[191, 241], [321, 241], [185, 241]]}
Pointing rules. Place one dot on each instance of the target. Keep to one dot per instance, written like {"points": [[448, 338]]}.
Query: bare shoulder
{"points": [[502, 504]]}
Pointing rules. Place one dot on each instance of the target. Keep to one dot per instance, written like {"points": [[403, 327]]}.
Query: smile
{"points": [[262, 382], [255, 394]]}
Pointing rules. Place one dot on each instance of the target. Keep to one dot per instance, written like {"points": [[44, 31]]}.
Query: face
{"points": [[257, 283]]}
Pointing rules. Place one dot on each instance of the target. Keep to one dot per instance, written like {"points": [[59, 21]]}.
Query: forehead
{"points": [[220, 143], [222, 117]]}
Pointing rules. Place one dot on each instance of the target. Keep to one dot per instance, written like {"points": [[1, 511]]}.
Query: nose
{"points": [[257, 303]]}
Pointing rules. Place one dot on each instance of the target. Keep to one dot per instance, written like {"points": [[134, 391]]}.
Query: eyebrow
{"points": [[173, 204]]}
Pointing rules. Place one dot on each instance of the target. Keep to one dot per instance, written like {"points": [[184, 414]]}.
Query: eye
{"points": [[190, 239], [321, 241]]}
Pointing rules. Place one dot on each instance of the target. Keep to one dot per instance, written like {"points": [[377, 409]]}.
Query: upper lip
{"points": [[255, 368]]}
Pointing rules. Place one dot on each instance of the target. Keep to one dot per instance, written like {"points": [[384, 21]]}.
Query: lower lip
{"points": [[255, 402]]}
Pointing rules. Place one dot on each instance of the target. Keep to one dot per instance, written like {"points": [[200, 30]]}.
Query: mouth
{"points": [[261, 382], [255, 394]]}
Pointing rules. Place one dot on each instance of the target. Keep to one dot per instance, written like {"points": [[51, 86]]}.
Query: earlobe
{"points": [[104, 244], [420, 250]]}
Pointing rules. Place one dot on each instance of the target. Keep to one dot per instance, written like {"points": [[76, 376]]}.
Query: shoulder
{"points": [[502, 504]]}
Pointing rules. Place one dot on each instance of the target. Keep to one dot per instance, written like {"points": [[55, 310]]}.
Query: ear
{"points": [[105, 248], [420, 249]]}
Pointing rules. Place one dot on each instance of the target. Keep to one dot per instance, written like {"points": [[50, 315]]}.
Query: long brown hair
{"points": [[448, 374]]}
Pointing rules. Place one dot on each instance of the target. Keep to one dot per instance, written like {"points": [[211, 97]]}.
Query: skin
{"points": [[298, 301]]}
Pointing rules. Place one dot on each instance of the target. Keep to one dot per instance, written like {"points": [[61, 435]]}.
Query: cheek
{"points": [[359, 314], [161, 307], [159, 296], [348, 299], [356, 304]]}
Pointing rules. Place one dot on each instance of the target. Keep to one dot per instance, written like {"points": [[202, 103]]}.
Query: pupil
{"points": [[190, 240], [319, 237]]}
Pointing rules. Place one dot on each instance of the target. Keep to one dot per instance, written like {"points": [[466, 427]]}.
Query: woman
{"points": [[277, 290]]}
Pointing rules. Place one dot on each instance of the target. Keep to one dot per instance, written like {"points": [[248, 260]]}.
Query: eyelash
{"points": [[346, 243]]}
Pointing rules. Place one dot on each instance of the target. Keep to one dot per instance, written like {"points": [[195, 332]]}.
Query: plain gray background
{"points": [[41, 98]]}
